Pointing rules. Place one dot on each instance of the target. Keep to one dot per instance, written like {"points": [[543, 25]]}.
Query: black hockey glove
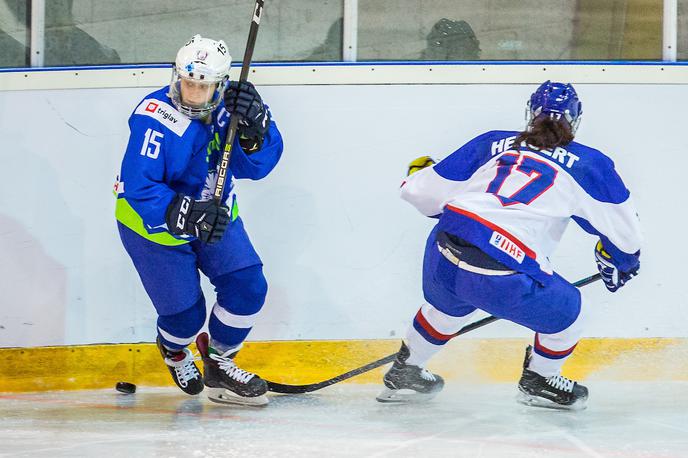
{"points": [[203, 219], [242, 100], [613, 277]]}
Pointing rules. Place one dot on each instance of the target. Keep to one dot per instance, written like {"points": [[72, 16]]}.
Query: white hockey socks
{"points": [[550, 351], [428, 333]]}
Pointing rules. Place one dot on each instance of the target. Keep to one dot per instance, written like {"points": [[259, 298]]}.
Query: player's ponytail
{"points": [[546, 133]]}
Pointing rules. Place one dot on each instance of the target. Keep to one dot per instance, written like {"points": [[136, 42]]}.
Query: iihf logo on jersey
{"points": [[508, 246]]}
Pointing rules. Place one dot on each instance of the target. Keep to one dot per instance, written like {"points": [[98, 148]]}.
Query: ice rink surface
{"points": [[633, 419]]}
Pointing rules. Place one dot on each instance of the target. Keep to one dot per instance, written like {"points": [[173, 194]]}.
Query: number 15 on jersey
{"points": [[151, 144]]}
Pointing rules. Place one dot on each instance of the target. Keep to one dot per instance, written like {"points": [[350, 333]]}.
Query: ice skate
{"points": [[556, 392], [225, 382], [406, 383], [182, 368]]}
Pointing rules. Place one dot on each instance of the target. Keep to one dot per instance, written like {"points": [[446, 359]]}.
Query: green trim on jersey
{"points": [[234, 214], [125, 214]]}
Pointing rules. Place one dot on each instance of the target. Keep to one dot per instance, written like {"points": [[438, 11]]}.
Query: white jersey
{"points": [[514, 203]]}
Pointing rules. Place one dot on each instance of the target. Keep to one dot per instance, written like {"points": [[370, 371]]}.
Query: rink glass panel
{"points": [[508, 30], [92, 32], [88, 32], [14, 34], [682, 48]]}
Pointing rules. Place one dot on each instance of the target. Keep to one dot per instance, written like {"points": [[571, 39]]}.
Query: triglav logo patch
{"points": [[165, 113]]}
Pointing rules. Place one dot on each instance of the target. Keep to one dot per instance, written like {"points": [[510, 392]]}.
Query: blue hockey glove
{"points": [[612, 276], [242, 100], [203, 219], [419, 164]]}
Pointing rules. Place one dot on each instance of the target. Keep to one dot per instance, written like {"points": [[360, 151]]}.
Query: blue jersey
{"points": [[514, 201], [170, 154]]}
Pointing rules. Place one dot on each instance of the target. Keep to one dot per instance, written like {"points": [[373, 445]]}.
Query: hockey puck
{"points": [[125, 387]]}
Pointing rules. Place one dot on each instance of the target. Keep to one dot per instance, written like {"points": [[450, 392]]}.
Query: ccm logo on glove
{"points": [[183, 212], [203, 219]]}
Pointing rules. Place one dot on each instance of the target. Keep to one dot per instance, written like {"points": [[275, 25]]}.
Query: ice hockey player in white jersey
{"points": [[173, 230], [503, 201]]}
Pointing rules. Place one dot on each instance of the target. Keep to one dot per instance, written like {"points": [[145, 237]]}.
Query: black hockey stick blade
{"points": [[300, 389]]}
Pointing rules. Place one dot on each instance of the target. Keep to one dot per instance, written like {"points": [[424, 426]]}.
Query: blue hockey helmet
{"points": [[557, 101]]}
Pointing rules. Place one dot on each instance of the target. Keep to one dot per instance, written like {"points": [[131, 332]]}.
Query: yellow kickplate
{"points": [[301, 362]]}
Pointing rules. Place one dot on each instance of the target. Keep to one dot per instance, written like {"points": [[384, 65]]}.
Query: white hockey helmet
{"points": [[200, 76]]}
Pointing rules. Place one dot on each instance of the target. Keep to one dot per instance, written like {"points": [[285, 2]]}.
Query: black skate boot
{"points": [[183, 369], [556, 392], [406, 383], [225, 382]]}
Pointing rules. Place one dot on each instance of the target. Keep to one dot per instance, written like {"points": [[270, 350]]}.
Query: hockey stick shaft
{"points": [[299, 389], [234, 121]]}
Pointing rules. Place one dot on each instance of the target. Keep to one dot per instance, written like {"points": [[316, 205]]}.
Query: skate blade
{"points": [[403, 396], [222, 396], [537, 401]]}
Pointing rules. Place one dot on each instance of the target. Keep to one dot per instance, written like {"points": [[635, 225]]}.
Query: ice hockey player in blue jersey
{"points": [[172, 229], [503, 201]]}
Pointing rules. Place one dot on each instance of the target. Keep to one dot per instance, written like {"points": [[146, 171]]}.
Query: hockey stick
{"points": [[299, 389], [234, 122]]}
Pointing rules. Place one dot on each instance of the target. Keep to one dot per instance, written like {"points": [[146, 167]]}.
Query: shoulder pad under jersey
{"points": [[165, 114]]}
